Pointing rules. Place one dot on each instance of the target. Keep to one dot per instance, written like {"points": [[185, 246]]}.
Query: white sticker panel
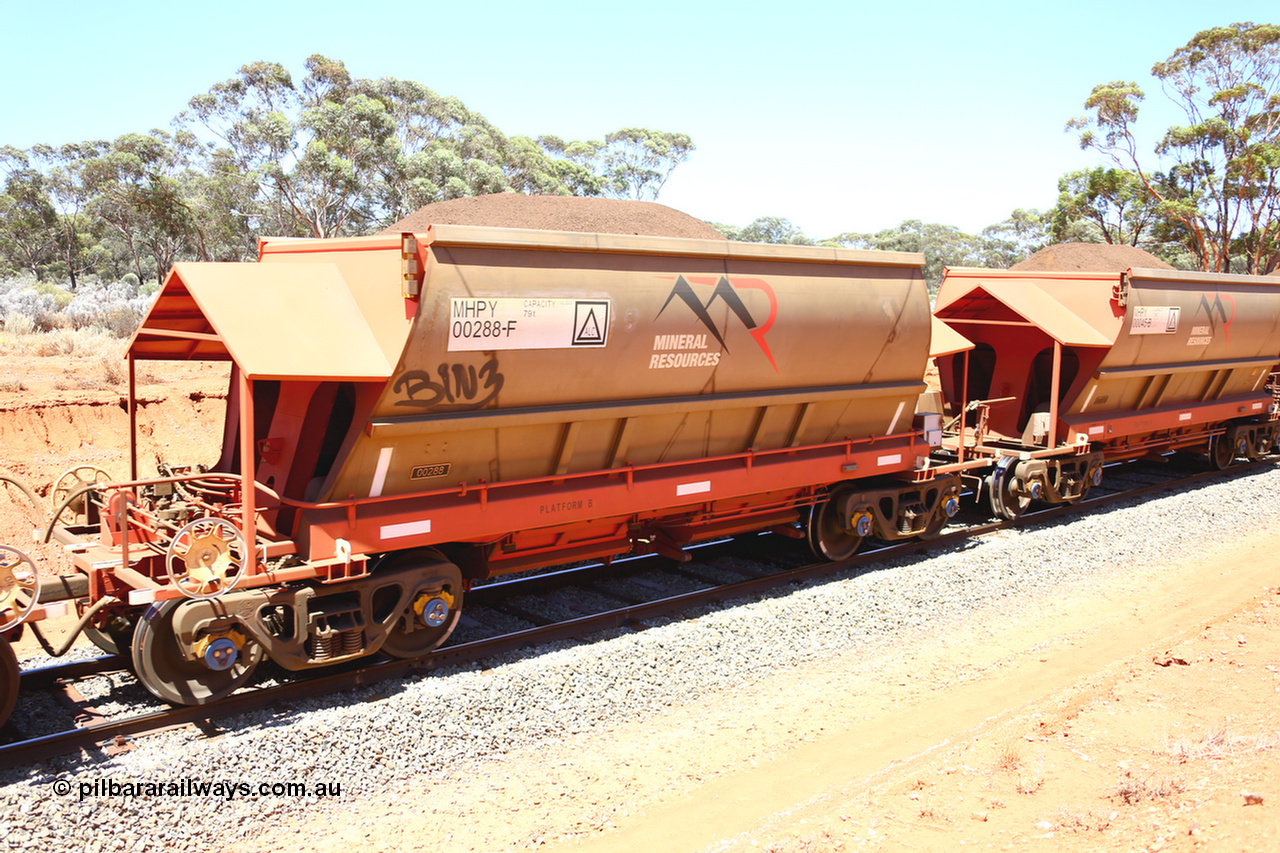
{"points": [[1097, 430], [888, 460], [513, 323], [1154, 320], [409, 528], [693, 488], [1185, 416]]}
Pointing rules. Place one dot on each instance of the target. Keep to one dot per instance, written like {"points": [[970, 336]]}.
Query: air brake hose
{"points": [[80, 626]]}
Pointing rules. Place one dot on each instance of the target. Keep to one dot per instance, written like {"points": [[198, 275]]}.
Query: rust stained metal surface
{"points": [[946, 340], [696, 344], [273, 320], [1116, 358], [1072, 308]]}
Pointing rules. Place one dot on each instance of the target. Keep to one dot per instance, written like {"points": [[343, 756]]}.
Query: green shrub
{"points": [[62, 298]]}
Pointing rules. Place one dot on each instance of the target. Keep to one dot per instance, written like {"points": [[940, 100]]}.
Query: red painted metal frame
{"points": [[486, 512], [608, 508], [1110, 426]]}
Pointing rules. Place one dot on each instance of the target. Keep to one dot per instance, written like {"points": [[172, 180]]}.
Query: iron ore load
{"points": [[411, 413], [1070, 370]]}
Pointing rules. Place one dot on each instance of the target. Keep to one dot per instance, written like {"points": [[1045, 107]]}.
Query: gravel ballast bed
{"points": [[379, 739]]}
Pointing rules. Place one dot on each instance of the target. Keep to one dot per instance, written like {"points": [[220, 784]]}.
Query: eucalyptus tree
{"points": [[1220, 186], [767, 229], [1003, 244], [139, 188], [637, 161], [28, 221], [1109, 205], [313, 150], [942, 246], [78, 233]]}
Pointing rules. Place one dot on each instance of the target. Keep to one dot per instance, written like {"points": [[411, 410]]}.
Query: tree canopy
{"points": [[262, 153], [328, 154], [998, 246], [1212, 186]]}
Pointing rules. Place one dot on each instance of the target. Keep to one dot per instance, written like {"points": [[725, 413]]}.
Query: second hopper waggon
{"points": [[410, 413], [1073, 369]]}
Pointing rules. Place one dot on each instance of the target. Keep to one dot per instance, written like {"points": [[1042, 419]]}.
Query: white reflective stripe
{"points": [[408, 528], [1185, 416], [1095, 430], [142, 596], [693, 488], [893, 423], [380, 473], [889, 460], [1257, 406], [1089, 399]]}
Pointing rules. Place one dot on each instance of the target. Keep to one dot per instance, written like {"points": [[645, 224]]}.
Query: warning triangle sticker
{"points": [[589, 332]]}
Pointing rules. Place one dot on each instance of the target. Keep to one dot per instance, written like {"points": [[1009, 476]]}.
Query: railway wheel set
{"points": [[411, 413]]}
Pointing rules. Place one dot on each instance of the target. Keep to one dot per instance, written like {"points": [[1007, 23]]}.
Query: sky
{"points": [[839, 116]]}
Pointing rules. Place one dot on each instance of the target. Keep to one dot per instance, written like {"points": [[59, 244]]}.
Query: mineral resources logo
{"points": [[690, 350], [1216, 310]]}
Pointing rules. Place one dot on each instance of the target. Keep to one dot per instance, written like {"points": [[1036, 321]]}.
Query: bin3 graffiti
{"points": [[453, 387]]}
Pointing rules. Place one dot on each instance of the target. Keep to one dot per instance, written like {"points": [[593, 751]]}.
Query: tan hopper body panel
{"points": [[698, 348], [1144, 339]]}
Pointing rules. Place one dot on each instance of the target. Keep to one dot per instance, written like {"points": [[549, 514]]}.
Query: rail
{"points": [[103, 732]]}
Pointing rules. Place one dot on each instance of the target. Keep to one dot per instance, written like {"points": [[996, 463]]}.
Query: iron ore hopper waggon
{"points": [[1071, 370], [409, 414]]}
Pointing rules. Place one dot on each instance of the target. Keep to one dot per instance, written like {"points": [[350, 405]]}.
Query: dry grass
{"points": [[1009, 757], [1133, 790], [18, 325], [114, 368], [77, 343], [1218, 742], [1083, 821], [1029, 785]]}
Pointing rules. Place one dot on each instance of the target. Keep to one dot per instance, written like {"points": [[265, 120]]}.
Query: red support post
{"points": [[248, 523]]}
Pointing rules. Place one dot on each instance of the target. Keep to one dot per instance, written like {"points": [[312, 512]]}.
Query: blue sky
{"points": [[837, 116]]}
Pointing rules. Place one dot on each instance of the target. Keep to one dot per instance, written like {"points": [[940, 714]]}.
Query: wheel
{"points": [[948, 506], [1221, 453], [1092, 477], [206, 558], [433, 614], [1004, 503], [9, 678], [827, 537], [112, 644], [434, 609], [19, 587], [72, 480], [116, 636], [167, 675]]}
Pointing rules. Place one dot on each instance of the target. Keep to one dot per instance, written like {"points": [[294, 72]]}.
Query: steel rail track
{"points": [[351, 676]]}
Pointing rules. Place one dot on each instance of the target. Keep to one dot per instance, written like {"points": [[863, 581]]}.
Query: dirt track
{"points": [[1141, 719]]}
